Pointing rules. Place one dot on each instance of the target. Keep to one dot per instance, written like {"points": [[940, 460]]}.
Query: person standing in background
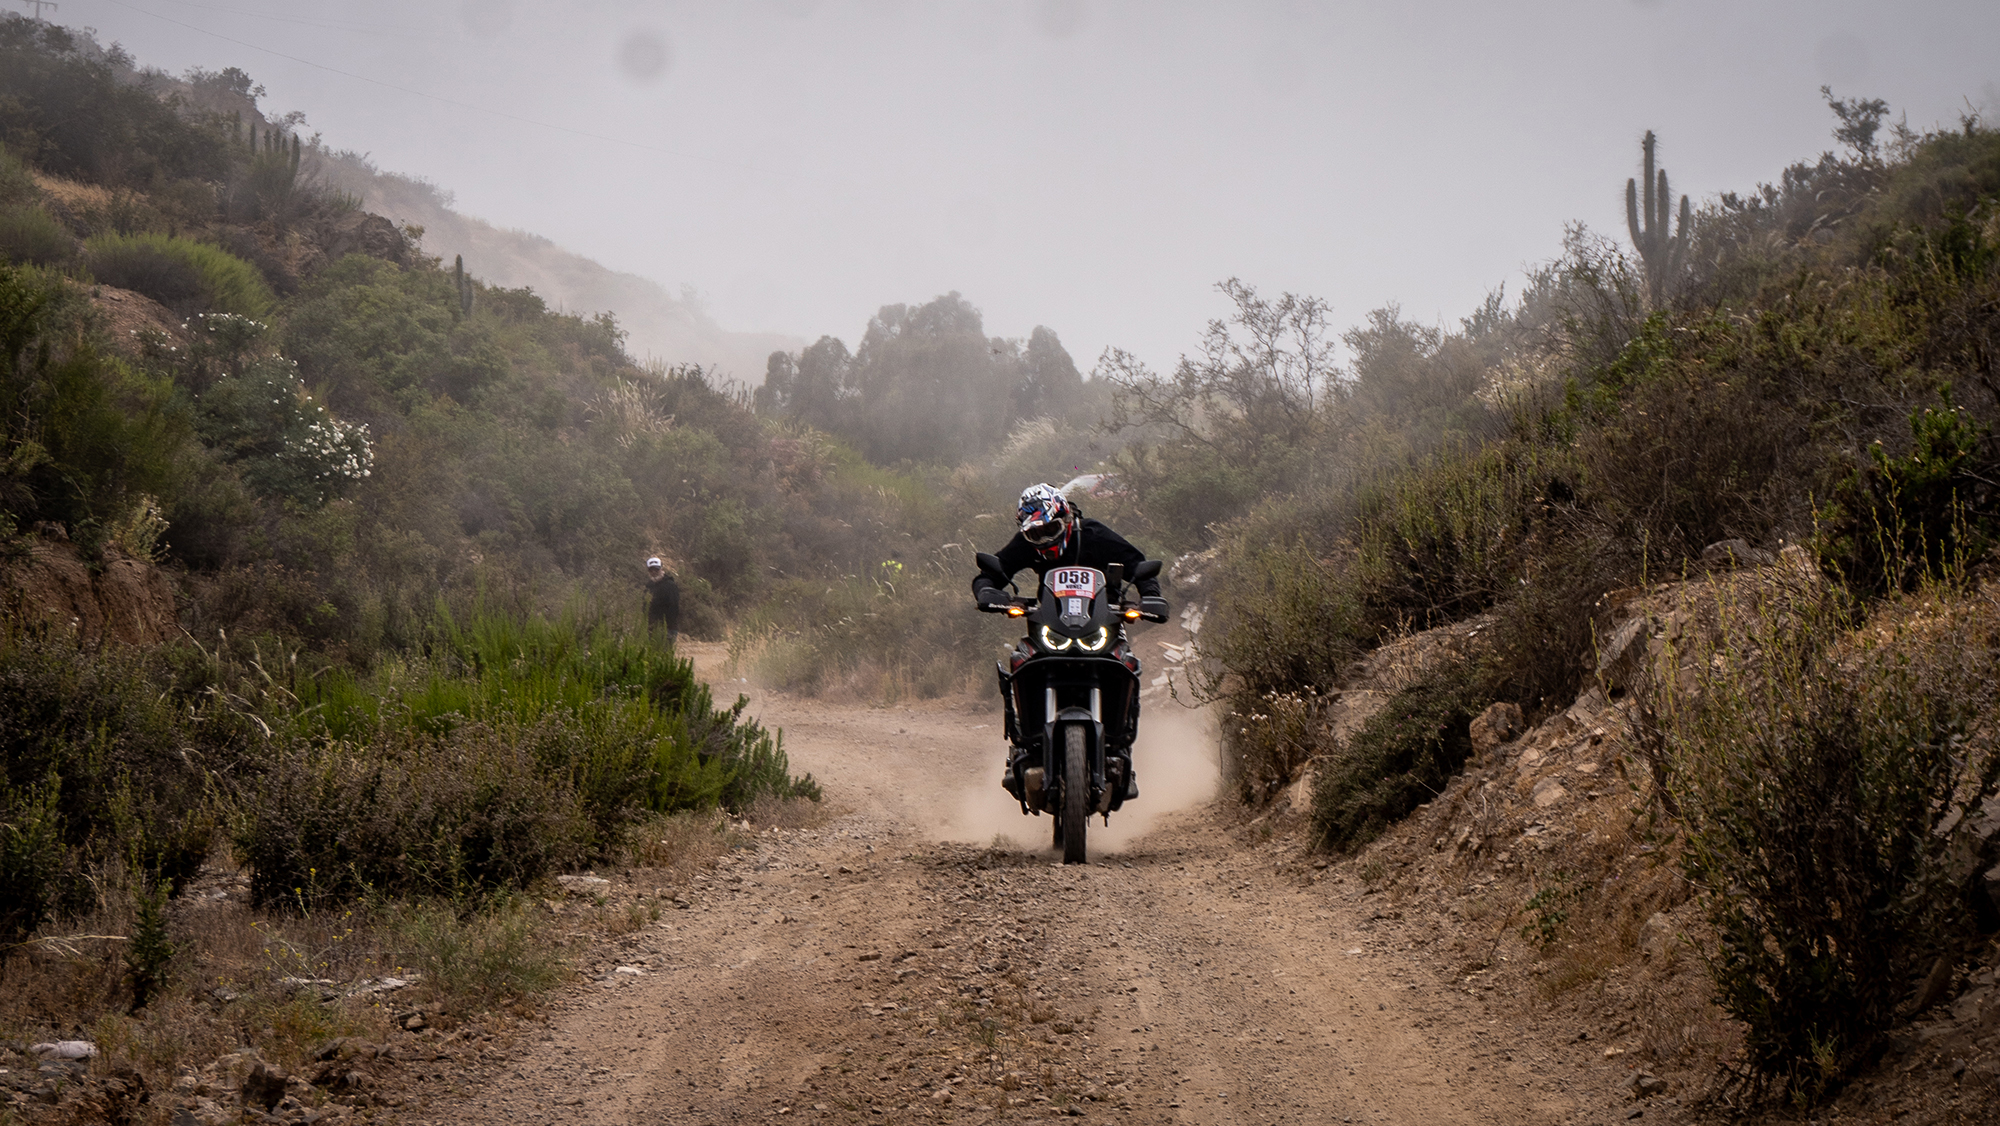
{"points": [[664, 605]]}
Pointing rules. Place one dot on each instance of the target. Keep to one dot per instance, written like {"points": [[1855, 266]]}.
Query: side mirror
{"points": [[989, 565], [1149, 569]]}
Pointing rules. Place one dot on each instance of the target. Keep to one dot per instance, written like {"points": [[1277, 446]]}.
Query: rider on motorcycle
{"points": [[1054, 534]]}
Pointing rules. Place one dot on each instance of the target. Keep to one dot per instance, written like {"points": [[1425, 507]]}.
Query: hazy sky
{"points": [[1090, 166]]}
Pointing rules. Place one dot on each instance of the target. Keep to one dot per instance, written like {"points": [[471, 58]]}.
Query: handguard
{"points": [[1153, 609]]}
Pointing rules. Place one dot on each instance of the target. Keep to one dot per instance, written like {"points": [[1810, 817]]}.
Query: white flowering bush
{"points": [[285, 442], [326, 455]]}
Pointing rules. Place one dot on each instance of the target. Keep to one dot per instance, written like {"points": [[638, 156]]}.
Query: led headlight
{"points": [[1053, 642], [1095, 642]]}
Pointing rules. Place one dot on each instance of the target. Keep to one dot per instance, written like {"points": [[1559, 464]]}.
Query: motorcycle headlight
{"points": [[1053, 642], [1095, 642]]}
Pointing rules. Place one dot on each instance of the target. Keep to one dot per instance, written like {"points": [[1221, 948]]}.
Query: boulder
{"points": [[361, 232], [1498, 725], [1621, 661], [264, 1087], [1656, 937], [1729, 555]]}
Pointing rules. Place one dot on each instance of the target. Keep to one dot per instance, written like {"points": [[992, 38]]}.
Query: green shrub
{"points": [[468, 813], [151, 952], [17, 184], [105, 761], [1285, 617], [1400, 759], [628, 698], [512, 746], [1449, 537], [1825, 776], [1912, 516], [38, 874], [186, 276], [28, 234], [474, 959], [80, 436], [285, 443]]}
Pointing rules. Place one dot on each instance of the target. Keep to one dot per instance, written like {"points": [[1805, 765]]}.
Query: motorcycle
{"points": [[1070, 692]]}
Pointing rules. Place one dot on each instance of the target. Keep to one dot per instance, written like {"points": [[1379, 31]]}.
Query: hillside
{"points": [[659, 325]]}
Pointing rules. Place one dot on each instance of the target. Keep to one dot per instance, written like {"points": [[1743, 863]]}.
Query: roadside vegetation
{"points": [[1808, 364], [404, 512]]}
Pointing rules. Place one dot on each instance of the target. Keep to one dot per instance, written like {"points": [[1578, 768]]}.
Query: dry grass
{"points": [[1681, 1026], [678, 844], [283, 984], [769, 812]]}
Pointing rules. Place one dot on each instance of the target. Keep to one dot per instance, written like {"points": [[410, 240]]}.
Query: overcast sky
{"points": [[1090, 166]]}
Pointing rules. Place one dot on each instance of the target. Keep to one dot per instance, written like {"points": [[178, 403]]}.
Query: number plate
{"points": [[1075, 582]]}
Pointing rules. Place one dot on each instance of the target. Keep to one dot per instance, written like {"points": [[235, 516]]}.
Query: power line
{"points": [[631, 144], [332, 25], [38, 5]]}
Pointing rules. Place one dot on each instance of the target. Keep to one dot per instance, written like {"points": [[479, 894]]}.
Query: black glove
{"points": [[1153, 608]]}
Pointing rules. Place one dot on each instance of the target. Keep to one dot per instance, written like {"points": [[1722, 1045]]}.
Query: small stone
{"points": [[871, 956], [264, 1087], [583, 885], [1645, 1085], [414, 1022]]}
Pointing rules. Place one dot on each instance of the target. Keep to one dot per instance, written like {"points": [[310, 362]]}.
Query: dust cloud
{"points": [[1178, 765]]}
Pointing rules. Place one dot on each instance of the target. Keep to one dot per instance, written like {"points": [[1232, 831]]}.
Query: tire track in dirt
{"points": [[868, 971]]}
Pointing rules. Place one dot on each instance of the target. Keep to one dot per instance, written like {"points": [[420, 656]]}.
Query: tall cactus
{"points": [[1662, 250], [462, 283]]}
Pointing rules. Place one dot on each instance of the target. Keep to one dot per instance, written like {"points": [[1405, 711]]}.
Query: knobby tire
{"points": [[1075, 795]]}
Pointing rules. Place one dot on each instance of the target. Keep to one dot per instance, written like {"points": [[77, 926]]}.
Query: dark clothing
{"points": [[665, 605], [1091, 545]]}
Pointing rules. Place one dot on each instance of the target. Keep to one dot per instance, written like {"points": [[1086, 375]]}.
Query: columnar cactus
{"points": [[462, 283], [1662, 250]]}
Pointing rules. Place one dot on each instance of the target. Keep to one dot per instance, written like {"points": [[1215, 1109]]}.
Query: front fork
{"points": [[1036, 784]]}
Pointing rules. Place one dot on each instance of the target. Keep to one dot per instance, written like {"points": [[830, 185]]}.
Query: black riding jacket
{"points": [[1091, 545]]}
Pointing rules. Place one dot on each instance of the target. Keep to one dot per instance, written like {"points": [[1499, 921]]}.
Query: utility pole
{"points": [[38, 5]]}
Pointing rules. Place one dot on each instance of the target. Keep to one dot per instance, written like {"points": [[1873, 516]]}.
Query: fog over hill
{"points": [[676, 329]]}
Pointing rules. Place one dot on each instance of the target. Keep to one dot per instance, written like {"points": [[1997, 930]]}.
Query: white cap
{"points": [[653, 562]]}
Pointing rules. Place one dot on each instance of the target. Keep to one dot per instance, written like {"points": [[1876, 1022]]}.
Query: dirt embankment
{"points": [[124, 599]]}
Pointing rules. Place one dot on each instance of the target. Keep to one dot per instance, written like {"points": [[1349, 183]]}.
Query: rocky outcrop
{"points": [[363, 232], [125, 600]]}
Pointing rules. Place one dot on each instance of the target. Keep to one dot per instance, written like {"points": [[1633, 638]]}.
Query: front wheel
{"points": [[1075, 795]]}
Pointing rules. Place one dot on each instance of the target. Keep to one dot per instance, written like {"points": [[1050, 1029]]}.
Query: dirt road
{"points": [[921, 957]]}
